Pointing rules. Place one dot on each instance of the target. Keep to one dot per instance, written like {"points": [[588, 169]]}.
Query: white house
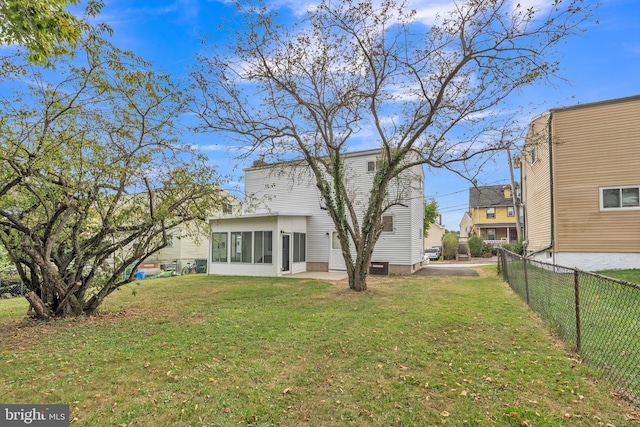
{"points": [[285, 228], [188, 243]]}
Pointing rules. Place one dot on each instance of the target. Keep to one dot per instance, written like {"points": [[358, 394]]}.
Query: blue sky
{"points": [[603, 63]]}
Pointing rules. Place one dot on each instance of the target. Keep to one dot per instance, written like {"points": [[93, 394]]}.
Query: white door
{"points": [[336, 260]]}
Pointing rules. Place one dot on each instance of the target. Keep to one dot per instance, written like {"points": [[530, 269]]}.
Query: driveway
{"points": [[446, 270], [455, 268]]}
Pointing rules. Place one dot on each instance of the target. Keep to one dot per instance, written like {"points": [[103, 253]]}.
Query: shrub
{"points": [[449, 245], [475, 245], [516, 247], [487, 248]]}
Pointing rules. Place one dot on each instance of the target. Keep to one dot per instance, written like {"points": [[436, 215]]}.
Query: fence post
{"points": [[505, 268], [526, 279], [576, 286]]}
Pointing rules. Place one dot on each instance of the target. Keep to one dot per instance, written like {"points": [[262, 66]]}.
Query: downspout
{"points": [[550, 136]]}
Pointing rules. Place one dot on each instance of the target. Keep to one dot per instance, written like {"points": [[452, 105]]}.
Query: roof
{"points": [[260, 215], [260, 163], [488, 196], [593, 104]]}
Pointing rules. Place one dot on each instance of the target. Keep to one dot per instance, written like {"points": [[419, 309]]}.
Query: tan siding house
{"points": [[581, 194], [435, 235]]}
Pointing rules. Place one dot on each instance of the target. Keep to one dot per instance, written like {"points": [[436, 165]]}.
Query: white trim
{"points": [[393, 223], [621, 208], [591, 261]]}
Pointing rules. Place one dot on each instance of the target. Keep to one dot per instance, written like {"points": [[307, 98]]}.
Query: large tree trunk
{"points": [[357, 278], [41, 310], [359, 271]]}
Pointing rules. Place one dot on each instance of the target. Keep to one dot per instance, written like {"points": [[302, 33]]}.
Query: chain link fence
{"points": [[598, 315], [10, 284]]}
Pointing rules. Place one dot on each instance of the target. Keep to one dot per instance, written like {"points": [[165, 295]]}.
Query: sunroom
{"points": [[261, 244]]}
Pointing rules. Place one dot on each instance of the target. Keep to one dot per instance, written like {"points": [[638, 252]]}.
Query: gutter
{"points": [[551, 187], [539, 251]]}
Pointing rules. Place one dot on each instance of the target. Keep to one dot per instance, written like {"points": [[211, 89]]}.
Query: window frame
{"points": [[263, 247], [620, 206], [534, 154], [493, 213], [299, 247], [222, 245], [246, 247], [511, 211], [384, 224]]}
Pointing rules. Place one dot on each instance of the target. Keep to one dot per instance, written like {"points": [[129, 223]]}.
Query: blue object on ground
{"points": [[140, 275]]}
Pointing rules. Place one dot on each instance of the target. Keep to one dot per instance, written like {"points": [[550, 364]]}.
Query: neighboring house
{"points": [[434, 237], [286, 229], [466, 225], [492, 213], [581, 185], [189, 243]]}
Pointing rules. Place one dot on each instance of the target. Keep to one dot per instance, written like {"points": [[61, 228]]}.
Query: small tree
{"points": [[475, 244], [93, 176], [430, 215], [426, 95], [449, 246]]}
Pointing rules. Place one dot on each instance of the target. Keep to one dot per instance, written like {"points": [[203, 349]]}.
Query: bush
{"points": [[516, 247], [475, 245], [487, 249], [449, 246]]}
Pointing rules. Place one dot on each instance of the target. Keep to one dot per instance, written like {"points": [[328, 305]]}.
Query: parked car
{"points": [[431, 254], [439, 248]]}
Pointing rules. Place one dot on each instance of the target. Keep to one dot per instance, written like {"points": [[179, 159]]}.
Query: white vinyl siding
{"points": [[293, 189]]}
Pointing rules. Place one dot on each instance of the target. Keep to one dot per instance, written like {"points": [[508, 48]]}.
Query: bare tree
{"points": [[426, 95]]}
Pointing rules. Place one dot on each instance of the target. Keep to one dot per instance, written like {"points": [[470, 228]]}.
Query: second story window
{"points": [[491, 213], [509, 210], [387, 223], [534, 154]]}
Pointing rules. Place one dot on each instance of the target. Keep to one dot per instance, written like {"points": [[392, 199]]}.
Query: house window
{"points": [[219, 247], [299, 247], [335, 241], [387, 223], [263, 247], [534, 154], [491, 213], [372, 166], [169, 240], [509, 210], [491, 234], [620, 198], [241, 246]]}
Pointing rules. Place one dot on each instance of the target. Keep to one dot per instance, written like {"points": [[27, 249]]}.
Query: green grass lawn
{"points": [[216, 351], [632, 275]]}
